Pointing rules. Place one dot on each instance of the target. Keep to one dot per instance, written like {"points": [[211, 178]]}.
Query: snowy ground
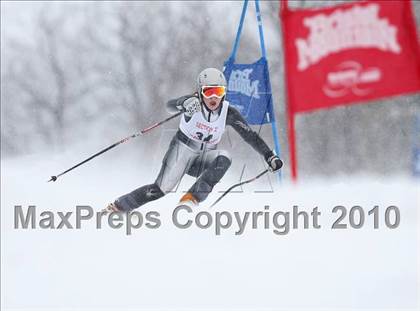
{"points": [[193, 269]]}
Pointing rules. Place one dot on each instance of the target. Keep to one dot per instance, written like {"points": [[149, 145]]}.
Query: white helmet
{"points": [[211, 76]]}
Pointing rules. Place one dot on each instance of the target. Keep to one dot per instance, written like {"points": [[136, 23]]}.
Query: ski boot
{"points": [[189, 200], [110, 208]]}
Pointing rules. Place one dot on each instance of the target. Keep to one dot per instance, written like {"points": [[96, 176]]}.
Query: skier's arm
{"points": [[235, 119], [176, 105]]}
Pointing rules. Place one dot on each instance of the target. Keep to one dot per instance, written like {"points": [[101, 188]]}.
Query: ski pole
{"points": [[144, 131], [239, 184]]}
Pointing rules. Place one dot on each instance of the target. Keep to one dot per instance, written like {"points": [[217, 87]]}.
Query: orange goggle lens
{"points": [[209, 91]]}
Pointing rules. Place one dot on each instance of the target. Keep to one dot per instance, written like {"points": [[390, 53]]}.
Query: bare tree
{"points": [[50, 73]]}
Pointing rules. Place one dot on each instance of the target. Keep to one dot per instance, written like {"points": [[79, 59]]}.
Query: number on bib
{"points": [[201, 135]]}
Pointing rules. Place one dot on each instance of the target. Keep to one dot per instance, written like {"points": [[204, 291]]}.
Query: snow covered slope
{"points": [[168, 268]]}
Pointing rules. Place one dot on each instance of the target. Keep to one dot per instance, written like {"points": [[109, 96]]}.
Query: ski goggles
{"points": [[210, 91]]}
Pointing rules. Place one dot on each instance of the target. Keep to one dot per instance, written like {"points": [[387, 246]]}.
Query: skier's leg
{"points": [[210, 168], [176, 162], [138, 197]]}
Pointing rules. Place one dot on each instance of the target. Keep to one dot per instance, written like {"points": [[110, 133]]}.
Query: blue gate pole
{"points": [[238, 33], [273, 121], [276, 140]]}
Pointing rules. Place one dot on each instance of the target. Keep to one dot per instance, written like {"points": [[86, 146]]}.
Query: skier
{"points": [[193, 149]]}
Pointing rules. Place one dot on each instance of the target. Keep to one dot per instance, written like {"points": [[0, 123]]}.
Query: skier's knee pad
{"points": [[211, 176], [217, 169], [224, 153], [221, 165], [139, 197], [147, 193]]}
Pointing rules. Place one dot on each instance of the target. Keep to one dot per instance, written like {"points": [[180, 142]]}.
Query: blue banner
{"points": [[249, 90]]}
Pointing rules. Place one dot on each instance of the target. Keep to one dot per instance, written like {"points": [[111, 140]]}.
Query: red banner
{"points": [[348, 53]]}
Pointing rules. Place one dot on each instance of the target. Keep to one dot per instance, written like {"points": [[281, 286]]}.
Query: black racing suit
{"points": [[186, 156]]}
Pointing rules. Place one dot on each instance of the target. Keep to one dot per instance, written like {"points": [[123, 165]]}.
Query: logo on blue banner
{"points": [[240, 82], [249, 90]]}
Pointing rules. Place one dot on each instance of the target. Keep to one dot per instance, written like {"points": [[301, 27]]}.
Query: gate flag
{"points": [[249, 90], [346, 54], [349, 53]]}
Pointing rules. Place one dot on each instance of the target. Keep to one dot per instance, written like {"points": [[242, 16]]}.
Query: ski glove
{"points": [[191, 105], [274, 163]]}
